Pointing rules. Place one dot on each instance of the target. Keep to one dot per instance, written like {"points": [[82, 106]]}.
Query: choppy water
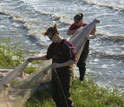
{"points": [[23, 20]]}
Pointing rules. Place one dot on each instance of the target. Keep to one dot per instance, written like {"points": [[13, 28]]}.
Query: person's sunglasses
{"points": [[77, 20]]}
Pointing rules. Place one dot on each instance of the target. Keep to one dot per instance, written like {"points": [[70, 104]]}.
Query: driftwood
{"points": [[4, 72]]}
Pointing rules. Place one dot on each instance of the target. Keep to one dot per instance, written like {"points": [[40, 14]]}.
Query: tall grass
{"points": [[86, 94], [10, 55]]}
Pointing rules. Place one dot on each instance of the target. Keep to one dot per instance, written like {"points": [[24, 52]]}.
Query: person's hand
{"points": [[97, 20], [93, 31], [55, 65], [30, 59]]}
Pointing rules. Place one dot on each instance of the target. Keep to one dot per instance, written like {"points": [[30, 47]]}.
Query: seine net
{"points": [[15, 90]]}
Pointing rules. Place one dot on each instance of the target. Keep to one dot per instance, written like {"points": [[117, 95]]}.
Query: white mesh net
{"points": [[15, 90]]}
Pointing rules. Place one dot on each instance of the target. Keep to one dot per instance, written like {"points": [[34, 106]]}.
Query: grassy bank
{"points": [[10, 55], [86, 94]]}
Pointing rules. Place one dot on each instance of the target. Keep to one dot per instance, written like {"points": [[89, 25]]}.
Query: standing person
{"points": [[63, 56], [78, 22]]}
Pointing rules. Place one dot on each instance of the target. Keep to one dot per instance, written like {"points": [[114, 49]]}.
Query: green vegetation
{"points": [[10, 55], [41, 98], [86, 94]]}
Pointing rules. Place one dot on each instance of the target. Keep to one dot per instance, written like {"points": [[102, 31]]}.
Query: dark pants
{"points": [[60, 85], [82, 61]]}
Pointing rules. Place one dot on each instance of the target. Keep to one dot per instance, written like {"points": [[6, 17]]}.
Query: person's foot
{"points": [[81, 78]]}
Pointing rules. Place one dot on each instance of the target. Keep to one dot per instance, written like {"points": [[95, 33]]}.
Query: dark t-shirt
{"points": [[74, 27], [64, 49]]}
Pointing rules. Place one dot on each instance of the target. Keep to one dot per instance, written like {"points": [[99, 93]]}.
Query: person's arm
{"points": [[59, 65], [36, 58], [93, 31], [70, 32], [71, 29]]}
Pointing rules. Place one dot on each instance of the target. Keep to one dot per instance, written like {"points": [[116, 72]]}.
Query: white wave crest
{"points": [[106, 4]]}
